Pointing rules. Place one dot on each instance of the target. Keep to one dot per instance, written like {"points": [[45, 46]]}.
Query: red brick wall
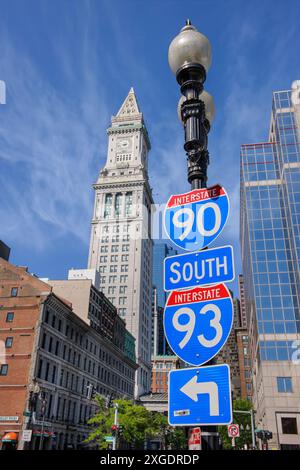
{"points": [[26, 308], [159, 375]]}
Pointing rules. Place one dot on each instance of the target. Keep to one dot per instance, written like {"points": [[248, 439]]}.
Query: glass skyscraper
{"points": [[160, 252], [270, 243]]}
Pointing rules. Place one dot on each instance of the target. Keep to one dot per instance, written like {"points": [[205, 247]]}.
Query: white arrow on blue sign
{"points": [[197, 322], [200, 396], [194, 219], [199, 268]]}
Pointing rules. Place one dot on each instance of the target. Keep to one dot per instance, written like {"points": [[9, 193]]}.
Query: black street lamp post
{"points": [[189, 59]]}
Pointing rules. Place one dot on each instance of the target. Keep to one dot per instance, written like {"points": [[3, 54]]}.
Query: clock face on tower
{"points": [[124, 144]]}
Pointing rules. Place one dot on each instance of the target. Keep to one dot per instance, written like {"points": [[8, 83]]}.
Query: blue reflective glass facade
{"points": [[270, 233], [160, 252]]}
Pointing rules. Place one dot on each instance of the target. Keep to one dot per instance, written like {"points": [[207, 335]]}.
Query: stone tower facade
{"points": [[121, 244]]}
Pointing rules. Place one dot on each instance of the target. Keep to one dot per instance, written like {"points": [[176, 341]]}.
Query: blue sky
{"points": [[68, 65]]}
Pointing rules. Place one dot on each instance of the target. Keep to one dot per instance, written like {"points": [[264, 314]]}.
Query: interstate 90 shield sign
{"points": [[194, 219], [197, 322]]}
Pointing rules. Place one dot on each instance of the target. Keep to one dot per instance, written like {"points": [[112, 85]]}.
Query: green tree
{"points": [[137, 424], [177, 439], [173, 438], [244, 421]]}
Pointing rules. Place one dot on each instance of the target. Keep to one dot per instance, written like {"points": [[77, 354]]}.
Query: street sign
{"points": [[233, 430], [45, 424], [199, 268], [194, 219], [109, 438], [197, 322], [200, 396], [194, 441], [27, 435], [9, 418]]}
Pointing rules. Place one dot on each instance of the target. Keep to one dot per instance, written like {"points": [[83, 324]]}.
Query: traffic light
{"points": [[120, 430], [114, 430], [109, 401], [264, 435], [268, 435], [31, 400]]}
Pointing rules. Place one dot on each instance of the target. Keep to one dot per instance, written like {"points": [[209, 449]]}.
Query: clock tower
{"points": [[121, 244]]}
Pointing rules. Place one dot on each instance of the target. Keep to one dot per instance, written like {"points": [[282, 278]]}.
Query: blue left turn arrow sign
{"points": [[200, 396]]}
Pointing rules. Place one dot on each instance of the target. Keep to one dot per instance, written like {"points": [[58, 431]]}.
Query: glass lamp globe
{"points": [[210, 109], [209, 106], [190, 46]]}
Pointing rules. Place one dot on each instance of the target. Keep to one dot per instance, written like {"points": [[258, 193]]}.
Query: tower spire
{"points": [[129, 106]]}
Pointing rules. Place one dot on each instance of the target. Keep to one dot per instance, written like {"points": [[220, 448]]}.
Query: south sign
{"points": [[193, 220], [198, 268], [197, 322]]}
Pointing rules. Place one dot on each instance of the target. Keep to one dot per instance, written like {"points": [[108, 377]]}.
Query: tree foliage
{"points": [[242, 420], [138, 424]]}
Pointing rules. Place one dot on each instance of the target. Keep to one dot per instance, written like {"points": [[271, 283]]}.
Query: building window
{"points": [[128, 204], [9, 317], [118, 203], [108, 205], [3, 369], [284, 385], [47, 371], [14, 292], [53, 380], [9, 342], [289, 426], [39, 374]]}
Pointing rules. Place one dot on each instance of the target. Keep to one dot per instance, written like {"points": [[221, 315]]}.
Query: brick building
{"points": [[242, 301], [161, 366], [46, 347], [229, 352], [244, 362]]}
